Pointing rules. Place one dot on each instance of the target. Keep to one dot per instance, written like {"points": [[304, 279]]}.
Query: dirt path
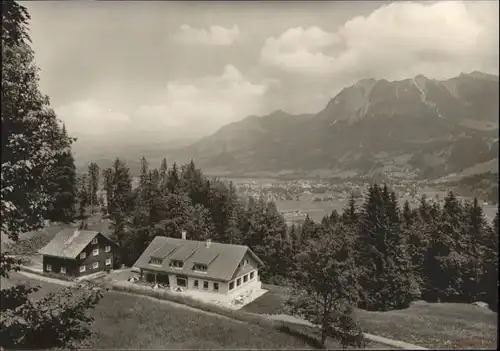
{"points": [[46, 279], [374, 338]]}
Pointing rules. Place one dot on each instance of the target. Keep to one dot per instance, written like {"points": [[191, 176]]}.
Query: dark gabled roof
{"points": [[204, 257], [164, 251], [69, 243], [183, 252], [222, 259]]}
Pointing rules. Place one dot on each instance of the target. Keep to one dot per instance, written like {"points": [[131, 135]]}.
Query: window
{"points": [[107, 248], [95, 265], [245, 278], [83, 255], [63, 270], [205, 285], [82, 269], [196, 284], [231, 286], [95, 252], [245, 263], [48, 268], [251, 275], [94, 241], [155, 261], [181, 281], [216, 286], [176, 264], [238, 282], [200, 267], [108, 261]]}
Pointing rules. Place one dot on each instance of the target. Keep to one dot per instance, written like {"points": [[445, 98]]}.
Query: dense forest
{"points": [[434, 253]]}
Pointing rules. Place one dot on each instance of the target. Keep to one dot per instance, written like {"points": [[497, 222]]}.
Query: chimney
{"points": [[184, 235], [208, 242]]}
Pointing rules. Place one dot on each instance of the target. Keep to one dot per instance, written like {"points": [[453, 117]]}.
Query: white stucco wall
{"points": [[223, 286]]}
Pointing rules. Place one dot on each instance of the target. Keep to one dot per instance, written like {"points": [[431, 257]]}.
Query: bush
{"points": [[350, 336]]}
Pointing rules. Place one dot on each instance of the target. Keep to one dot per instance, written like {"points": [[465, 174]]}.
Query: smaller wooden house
{"points": [[78, 252]]}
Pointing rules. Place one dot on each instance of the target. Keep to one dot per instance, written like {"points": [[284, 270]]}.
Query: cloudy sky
{"points": [[127, 71]]}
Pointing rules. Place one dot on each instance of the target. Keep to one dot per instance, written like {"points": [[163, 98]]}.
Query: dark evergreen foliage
{"points": [[37, 182], [63, 184]]}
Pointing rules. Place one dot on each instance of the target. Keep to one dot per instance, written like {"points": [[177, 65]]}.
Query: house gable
{"points": [[247, 264]]}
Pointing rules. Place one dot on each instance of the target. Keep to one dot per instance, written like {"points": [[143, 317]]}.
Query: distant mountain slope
{"points": [[254, 143], [416, 127]]}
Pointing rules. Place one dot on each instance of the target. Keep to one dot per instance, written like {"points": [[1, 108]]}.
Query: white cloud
{"points": [[189, 108], [395, 41], [215, 35], [206, 103], [88, 117]]}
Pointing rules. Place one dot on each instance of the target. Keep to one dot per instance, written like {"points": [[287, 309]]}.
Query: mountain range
{"points": [[416, 128], [413, 128]]}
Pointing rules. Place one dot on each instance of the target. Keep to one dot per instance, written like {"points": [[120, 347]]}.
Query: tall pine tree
{"points": [[63, 183], [94, 176], [387, 278]]}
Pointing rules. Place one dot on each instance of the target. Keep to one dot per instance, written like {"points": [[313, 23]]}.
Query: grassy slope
{"points": [[435, 325], [432, 325], [131, 322]]}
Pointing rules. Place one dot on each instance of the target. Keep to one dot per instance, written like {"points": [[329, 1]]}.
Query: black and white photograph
{"points": [[249, 175]]}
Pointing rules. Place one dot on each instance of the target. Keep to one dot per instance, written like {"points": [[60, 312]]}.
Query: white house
{"points": [[208, 267]]}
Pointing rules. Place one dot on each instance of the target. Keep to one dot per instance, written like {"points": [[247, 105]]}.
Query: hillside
{"points": [[414, 128], [483, 186]]}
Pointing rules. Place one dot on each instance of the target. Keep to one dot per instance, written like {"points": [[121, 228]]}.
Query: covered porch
{"points": [[154, 277]]}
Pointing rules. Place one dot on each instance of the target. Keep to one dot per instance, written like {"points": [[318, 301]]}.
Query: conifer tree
{"points": [[108, 188], [63, 184], [309, 230], [408, 215], [83, 194], [173, 179], [120, 200], [144, 176], [447, 254], [386, 270], [94, 176], [350, 215], [275, 249], [334, 217], [489, 280], [476, 231], [163, 175]]}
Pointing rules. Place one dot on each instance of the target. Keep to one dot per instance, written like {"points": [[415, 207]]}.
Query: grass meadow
{"points": [[431, 325], [124, 321]]}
